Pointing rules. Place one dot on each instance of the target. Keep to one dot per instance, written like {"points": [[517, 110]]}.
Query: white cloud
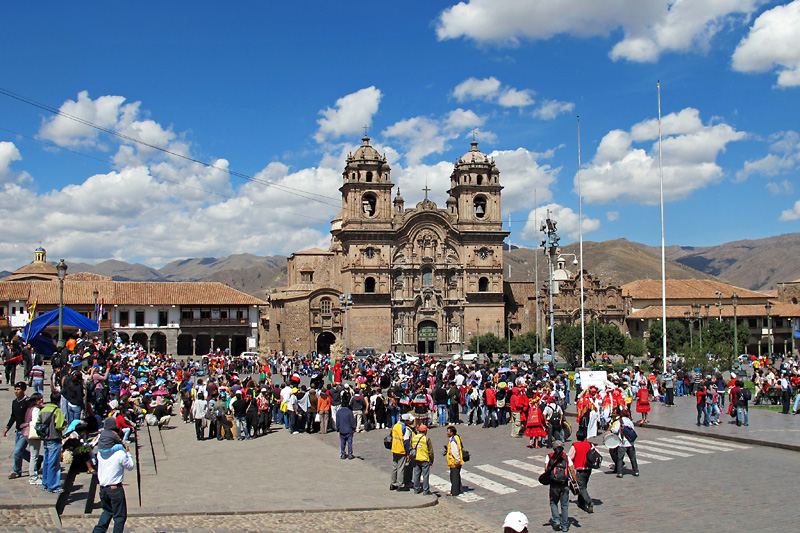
{"points": [[550, 109], [105, 112], [780, 188], [423, 136], [350, 114], [784, 157], [491, 90], [567, 222], [521, 173], [773, 42], [612, 216], [791, 214], [8, 154], [623, 172], [649, 27]]}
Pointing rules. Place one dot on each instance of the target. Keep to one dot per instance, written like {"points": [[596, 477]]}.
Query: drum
{"points": [[566, 429], [611, 440]]}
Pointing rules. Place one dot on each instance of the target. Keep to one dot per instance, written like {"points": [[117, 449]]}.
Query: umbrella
{"points": [[504, 369], [160, 392]]}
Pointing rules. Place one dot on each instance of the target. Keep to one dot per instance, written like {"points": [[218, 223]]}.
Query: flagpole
{"points": [[663, 247], [580, 233], [536, 272]]}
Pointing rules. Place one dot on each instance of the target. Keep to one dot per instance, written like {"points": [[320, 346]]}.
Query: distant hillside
{"points": [[751, 264], [615, 262]]}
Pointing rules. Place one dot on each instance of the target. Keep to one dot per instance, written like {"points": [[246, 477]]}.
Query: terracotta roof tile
{"points": [[646, 289]]}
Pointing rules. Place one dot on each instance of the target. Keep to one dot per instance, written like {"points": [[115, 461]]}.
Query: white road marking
{"points": [[724, 443], [443, 485], [711, 447], [653, 456], [511, 476], [660, 449], [522, 465], [686, 448], [486, 483]]}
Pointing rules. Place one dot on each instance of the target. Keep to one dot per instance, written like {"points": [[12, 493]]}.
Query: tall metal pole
{"points": [[536, 274], [735, 301], [478, 333], [580, 233], [61, 269], [663, 246]]}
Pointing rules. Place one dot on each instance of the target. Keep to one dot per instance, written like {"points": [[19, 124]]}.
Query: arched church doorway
{"points": [[324, 342], [427, 337]]}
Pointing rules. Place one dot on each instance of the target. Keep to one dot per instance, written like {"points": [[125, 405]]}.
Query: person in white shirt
{"points": [[113, 458]]}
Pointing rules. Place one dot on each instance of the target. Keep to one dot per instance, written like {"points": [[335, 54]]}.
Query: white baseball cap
{"points": [[516, 521]]}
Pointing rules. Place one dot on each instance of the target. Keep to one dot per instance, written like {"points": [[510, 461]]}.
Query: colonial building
{"points": [[419, 279], [177, 318]]}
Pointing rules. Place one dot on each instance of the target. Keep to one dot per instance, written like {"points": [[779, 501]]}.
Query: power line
{"points": [[161, 178], [289, 190]]}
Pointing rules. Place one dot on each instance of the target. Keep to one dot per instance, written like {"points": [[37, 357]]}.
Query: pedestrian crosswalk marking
{"points": [[522, 465], [610, 461], [511, 476], [653, 456], [713, 447], [725, 444], [680, 446], [486, 483], [443, 485], [661, 449]]}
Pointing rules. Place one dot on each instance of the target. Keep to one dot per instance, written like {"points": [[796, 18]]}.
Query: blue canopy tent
{"points": [[42, 344]]}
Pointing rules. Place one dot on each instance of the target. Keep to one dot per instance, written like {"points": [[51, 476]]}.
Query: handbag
{"points": [[387, 442], [465, 455]]}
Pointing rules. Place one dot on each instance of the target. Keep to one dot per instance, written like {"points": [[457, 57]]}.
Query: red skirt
{"points": [[642, 407], [534, 427]]}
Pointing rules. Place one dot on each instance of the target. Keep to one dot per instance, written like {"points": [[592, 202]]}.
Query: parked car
{"points": [[465, 357], [365, 352]]}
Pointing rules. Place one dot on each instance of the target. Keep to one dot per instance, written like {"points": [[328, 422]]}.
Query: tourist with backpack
{"points": [[585, 457], [557, 473], [622, 426], [743, 396]]}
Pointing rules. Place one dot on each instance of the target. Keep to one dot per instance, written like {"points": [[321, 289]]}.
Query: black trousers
{"points": [[583, 482], [455, 480], [198, 429]]}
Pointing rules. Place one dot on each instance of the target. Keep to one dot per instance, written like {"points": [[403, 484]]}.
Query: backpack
{"points": [[391, 403], [593, 458], [42, 426], [558, 472], [629, 433], [746, 394]]}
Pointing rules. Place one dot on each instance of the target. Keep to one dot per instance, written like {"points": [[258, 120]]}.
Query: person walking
{"points": [[643, 401], [621, 421], [52, 416], [560, 469], [19, 406], [199, 408], [401, 445], [346, 426], [34, 443], [455, 460], [422, 451], [578, 455], [702, 408], [113, 458], [743, 396]]}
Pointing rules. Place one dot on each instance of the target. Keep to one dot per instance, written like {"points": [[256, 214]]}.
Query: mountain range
{"points": [[758, 265]]}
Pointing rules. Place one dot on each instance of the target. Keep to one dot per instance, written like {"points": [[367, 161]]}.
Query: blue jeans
{"points": [[73, 413], [680, 388], [38, 386], [741, 415], [346, 443], [51, 467], [20, 451], [114, 506], [442, 410], [287, 419], [241, 425], [393, 416], [715, 413], [559, 496], [702, 410]]}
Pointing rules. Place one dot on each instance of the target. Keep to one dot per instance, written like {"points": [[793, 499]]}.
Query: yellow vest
{"points": [[420, 443], [397, 438], [451, 461]]}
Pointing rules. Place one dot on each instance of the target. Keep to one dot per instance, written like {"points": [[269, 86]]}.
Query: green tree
{"points": [[632, 347], [489, 344], [568, 341], [526, 343], [677, 336]]}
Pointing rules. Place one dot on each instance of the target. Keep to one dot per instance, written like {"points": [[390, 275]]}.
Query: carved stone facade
{"points": [[422, 279]]}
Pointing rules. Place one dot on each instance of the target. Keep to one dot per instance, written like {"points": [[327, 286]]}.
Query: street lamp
{"points": [[719, 303], [583, 324], [346, 302], [768, 306], [690, 319], [550, 246], [478, 333], [735, 302], [696, 310], [61, 268], [96, 293]]}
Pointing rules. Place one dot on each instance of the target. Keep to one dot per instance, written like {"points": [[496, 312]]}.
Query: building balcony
{"points": [[206, 322]]}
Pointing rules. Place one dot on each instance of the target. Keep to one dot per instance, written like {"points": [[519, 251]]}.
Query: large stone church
{"points": [[415, 279]]}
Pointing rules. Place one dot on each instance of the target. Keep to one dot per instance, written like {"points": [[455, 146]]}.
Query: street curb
{"points": [[741, 440], [431, 503]]}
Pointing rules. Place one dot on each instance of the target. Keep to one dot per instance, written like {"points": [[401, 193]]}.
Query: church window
{"points": [[307, 277], [398, 277], [369, 285], [479, 206], [479, 180], [368, 202], [369, 252], [451, 277], [325, 306], [427, 277], [369, 177], [483, 284]]}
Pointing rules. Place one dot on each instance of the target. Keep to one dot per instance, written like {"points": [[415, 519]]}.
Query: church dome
{"points": [[367, 152], [474, 155]]}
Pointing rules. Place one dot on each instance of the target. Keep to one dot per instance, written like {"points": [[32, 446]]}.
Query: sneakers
{"points": [[35, 480]]}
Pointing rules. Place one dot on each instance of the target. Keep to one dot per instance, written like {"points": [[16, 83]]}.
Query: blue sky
{"points": [[281, 94]]}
